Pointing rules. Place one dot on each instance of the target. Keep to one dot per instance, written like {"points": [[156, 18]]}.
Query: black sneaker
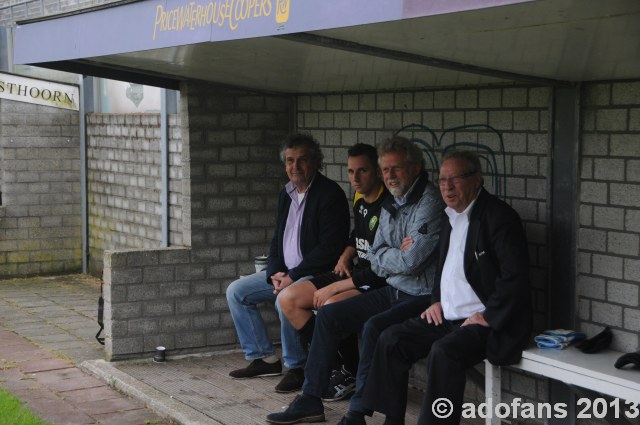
{"points": [[301, 409], [257, 368], [342, 384], [291, 381]]}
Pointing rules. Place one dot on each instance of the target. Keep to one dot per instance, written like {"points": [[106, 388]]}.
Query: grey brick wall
{"points": [[162, 297], [520, 114], [40, 228], [124, 183], [608, 280], [231, 176]]}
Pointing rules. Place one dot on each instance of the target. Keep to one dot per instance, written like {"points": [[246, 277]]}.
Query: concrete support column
{"points": [[565, 137]]}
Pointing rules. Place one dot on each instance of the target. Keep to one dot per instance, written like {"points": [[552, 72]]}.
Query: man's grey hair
{"points": [[470, 157], [413, 153], [304, 140]]}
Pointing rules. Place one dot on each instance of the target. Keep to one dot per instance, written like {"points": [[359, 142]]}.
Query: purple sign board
{"points": [[155, 24]]}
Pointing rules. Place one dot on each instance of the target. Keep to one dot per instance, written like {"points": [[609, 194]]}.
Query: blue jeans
{"points": [[371, 313], [243, 296]]}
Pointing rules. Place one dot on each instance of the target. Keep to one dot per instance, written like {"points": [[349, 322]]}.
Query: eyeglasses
{"points": [[443, 181]]}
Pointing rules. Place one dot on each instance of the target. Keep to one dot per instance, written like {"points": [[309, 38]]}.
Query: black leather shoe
{"points": [[257, 368], [346, 420], [302, 409], [291, 381]]}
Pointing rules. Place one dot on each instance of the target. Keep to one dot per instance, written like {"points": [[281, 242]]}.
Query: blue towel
{"points": [[557, 339]]}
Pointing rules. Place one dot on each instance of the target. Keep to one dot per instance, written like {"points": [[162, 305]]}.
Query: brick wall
{"points": [[40, 227], [520, 114], [124, 183], [230, 186], [609, 234], [158, 297], [231, 177], [608, 267]]}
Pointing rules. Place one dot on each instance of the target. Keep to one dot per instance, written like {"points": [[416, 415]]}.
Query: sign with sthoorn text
{"points": [[39, 92]]}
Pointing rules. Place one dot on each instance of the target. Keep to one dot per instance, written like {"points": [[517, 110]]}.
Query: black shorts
{"points": [[325, 279]]}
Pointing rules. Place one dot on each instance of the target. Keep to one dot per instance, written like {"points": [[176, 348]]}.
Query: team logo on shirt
{"points": [[373, 222], [362, 245]]}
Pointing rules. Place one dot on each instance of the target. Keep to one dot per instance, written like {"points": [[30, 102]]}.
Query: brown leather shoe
{"points": [[291, 381]]}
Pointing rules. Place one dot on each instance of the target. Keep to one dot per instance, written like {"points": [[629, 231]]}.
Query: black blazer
{"points": [[324, 230], [496, 265]]}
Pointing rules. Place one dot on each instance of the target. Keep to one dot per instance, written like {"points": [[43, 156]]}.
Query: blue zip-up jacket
{"points": [[411, 271]]}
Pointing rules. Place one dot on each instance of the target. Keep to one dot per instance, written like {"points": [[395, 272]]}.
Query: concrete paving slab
{"points": [[58, 411], [39, 369], [90, 394], [21, 384], [202, 386], [61, 336], [160, 402], [190, 390], [133, 417], [35, 392], [42, 365], [53, 376], [100, 407]]}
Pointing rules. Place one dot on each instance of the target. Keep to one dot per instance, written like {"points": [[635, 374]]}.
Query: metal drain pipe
{"points": [[87, 105]]}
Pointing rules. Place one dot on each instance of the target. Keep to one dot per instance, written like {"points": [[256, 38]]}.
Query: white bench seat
{"points": [[594, 372]]}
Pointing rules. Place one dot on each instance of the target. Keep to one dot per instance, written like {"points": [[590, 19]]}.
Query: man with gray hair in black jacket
{"points": [[312, 229]]}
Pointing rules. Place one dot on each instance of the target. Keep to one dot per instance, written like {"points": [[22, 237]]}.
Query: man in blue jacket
{"points": [[312, 229]]}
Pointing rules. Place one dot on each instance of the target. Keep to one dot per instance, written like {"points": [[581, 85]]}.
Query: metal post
{"points": [[168, 105], [493, 391], [87, 99], [6, 51]]}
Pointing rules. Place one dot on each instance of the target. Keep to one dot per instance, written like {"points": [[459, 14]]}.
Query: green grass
{"points": [[14, 413]]}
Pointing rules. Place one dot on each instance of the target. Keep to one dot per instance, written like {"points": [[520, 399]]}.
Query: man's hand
{"points": [[322, 295], [475, 319], [280, 281], [406, 243], [343, 267], [433, 315]]}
